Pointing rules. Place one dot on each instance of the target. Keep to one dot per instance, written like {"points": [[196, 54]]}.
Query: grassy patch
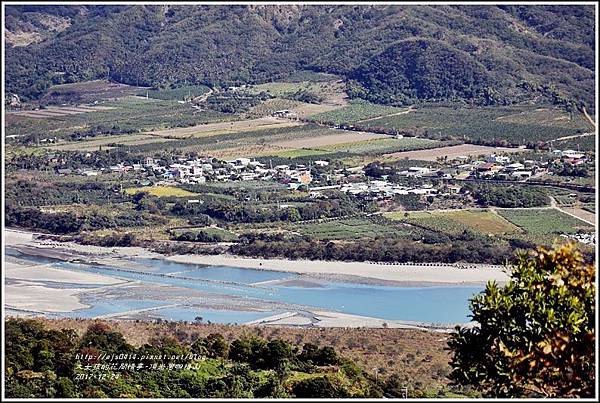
{"points": [[382, 145], [278, 89], [301, 152], [161, 191], [356, 111], [351, 228], [176, 94], [455, 222], [544, 222]]}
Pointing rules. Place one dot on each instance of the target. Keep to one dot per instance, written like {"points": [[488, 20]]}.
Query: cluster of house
{"points": [[382, 189], [500, 167], [571, 156], [584, 237], [204, 170], [494, 166]]}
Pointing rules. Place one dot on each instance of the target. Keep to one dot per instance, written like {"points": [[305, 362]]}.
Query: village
{"points": [[318, 177]]}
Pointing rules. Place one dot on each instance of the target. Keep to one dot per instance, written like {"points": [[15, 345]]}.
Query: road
{"points": [[409, 110], [575, 136], [588, 117], [555, 205]]}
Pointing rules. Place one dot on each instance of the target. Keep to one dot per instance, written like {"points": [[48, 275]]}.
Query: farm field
{"points": [[355, 112], [582, 213], [450, 152], [337, 137], [176, 94], [252, 143], [108, 142], [161, 191], [584, 143], [351, 228], [57, 111], [269, 106], [360, 148], [301, 152], [214, 129], [544, 222], [384, 145], [515, 124], [302, 109], [126, 114], [455, 222], [89, 91], [325, 89]]}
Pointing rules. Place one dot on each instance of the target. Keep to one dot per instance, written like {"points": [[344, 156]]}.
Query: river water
{"points": [[430, 304]]}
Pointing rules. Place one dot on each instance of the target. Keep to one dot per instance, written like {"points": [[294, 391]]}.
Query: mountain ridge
{"points": [[164, 46]]}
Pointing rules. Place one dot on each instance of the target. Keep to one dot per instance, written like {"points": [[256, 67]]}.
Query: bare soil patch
{"points": [[213, 129], [451, 152]]}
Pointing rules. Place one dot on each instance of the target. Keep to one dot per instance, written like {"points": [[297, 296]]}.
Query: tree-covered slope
{"points": [[421, 70], [496, 47]]}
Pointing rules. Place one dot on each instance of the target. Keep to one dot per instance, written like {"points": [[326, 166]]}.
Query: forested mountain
{"points": [[389, 53]]}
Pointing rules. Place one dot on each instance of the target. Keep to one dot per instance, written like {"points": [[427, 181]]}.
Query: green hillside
{"points": [[466, 52]]}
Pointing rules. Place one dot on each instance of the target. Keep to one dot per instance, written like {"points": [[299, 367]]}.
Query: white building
{"points": [[499, 159]]}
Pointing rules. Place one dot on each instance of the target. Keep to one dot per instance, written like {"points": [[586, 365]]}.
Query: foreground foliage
{"points": [[535, 336], [42, 363]]}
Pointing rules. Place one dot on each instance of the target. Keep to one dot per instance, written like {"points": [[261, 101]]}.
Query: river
{"points": [[278, 290]]}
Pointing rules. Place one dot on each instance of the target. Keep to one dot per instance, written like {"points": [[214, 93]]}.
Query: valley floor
{"points": [[34, 289]]}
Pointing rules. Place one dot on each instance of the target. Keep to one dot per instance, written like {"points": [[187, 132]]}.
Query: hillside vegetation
{"points": [[387, 53]]}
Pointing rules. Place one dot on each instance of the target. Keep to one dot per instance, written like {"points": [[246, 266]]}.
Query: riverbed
{"points": [[155, 288]]}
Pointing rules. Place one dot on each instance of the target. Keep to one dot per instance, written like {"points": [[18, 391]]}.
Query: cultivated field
{"points": [[302, 152], [457, 221], [325, 89], [544, 222], [340, 137], [161, 191], [451, 152], [355, 112], [176, 94], [515, 124], [382, 145], [584, 214], [214, 129], [58, 111], [89, 91], [130, 114], [583, 143], [108, 142], [351, 228]]}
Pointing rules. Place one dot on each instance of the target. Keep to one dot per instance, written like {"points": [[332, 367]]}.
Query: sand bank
{"points": [[29, 296], [19, 271], [318, 318], [448, 274]]}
